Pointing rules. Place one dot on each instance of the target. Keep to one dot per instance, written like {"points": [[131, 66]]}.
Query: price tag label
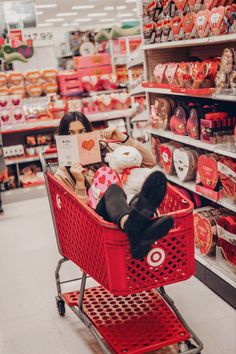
{"points": [[40, 38]]}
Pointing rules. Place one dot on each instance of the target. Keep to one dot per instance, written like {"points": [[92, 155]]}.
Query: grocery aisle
{"points": [[29, 322]]}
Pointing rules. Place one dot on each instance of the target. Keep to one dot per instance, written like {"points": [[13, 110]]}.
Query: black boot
{"points": [[157, 229], [144, 206]]}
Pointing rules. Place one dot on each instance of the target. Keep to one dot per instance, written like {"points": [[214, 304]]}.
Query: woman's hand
{"points": [[77, 171], [112, 133]]}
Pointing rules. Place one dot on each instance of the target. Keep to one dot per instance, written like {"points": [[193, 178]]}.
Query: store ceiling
{"points": [[85, 12]]}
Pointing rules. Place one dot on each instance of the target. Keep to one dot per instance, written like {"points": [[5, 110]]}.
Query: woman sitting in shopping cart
{"points": [[135, 218]]}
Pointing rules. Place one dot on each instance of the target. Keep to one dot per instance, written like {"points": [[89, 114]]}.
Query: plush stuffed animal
{"points": [[126, 162]]}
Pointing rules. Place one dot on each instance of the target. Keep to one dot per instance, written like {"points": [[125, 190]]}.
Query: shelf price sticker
{"points": [[40, 38]]}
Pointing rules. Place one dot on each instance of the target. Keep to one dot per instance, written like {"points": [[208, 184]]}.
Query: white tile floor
{"points": [[29, 322]]}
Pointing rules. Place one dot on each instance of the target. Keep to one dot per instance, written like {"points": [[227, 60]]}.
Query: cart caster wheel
{"points": [[185, 346], [60, 306]]}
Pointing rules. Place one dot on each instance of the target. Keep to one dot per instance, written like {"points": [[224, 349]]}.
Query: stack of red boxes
{"points": [[69, 83], [89, 65]]}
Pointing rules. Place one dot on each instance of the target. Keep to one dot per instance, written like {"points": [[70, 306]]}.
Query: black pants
{"points": [[113, 205]]}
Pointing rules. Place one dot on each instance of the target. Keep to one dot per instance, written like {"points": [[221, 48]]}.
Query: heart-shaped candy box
{"points": [[185, 162]]}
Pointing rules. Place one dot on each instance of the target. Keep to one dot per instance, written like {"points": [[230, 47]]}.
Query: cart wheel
{"points": [[185, 346], [60, 306]]}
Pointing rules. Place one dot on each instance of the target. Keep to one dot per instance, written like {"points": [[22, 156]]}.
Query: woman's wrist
{"points": [[126, 137]]}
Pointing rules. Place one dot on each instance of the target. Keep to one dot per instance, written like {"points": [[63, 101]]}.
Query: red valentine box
{"points": [[227, 241], [161, 113], [156, 143], [170, 72], [89, 61], [202, 23], [188, 25], [158, 31], [18, 115], [98, 70], [227, 170], [4, 102], [178, 122], [91, 83], [208, 179], [166, 27], [167, 163], [193, 123], [149, 32], [210, 3], [205, 232], [208, 131], [176, 26], [5, 117], [159, 72], [69, 83], [180, 4], [216, 21]]}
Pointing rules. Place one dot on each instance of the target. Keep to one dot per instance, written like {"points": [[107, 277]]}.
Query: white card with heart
{"points": [[80, 148]]}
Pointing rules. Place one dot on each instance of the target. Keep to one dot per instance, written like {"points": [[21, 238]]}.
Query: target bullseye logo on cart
{"points": [[156, 257], [58, 200]]}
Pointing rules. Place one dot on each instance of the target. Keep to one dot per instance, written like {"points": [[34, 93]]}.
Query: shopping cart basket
{"points": [[130, 311]]}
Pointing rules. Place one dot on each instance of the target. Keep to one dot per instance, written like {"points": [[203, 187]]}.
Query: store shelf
{"points": [[222, 149], [217, 268], [105, 92], [140, 117], [136, 58], [96, 117], [191, 186], [168, 91], [26, 159], [227, 38], [138, 90], [51, 123]]}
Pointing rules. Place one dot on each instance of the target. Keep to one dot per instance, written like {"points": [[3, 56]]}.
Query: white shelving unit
{"points": [[166, 91], [135, 59], [138, 90], [26, 159], [215, 275], [221, 149], [231, 37]]}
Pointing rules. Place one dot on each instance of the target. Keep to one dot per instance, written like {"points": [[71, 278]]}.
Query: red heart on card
{"points": [[201, 22], [102, 179], [216, 18], [208, 171], [88, 144], [180, 4]]}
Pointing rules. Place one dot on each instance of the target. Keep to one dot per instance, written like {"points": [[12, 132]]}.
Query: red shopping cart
{"points": [[130, 311]]}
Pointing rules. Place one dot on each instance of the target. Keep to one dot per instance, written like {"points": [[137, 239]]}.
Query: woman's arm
{"points": [[113, 133], [77, 187]]}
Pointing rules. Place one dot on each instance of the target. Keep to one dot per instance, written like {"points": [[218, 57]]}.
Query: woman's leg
{"points": [[113, 205]]}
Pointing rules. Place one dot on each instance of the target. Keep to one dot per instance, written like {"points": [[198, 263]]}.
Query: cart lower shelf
{"points": [[133, 324]]}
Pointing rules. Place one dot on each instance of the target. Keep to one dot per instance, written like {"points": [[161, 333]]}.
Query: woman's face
{"points": [[76, 127]]}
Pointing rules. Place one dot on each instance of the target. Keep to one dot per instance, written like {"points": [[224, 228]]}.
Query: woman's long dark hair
{"points": [[72, 117]]}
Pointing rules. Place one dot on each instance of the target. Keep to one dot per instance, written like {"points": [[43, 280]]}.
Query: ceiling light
{"points": [[45, 6], [66, 14], [97, 14], [107, 20], [82, 20], [44, 25], [120, 7], [81, 7], [125, 15], [54, 20], [109, 8], [39, 13]]}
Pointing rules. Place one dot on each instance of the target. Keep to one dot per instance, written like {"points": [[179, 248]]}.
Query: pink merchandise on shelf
{"points": [[98, 70], [4, 102], [109, 81], [121, 100], [91, 83], [69, 83], [5, 118], [104, 103], [18, 115], [90, 61]]}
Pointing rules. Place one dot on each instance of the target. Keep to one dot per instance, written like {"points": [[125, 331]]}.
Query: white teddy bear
{"points": [[126, 161]]}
